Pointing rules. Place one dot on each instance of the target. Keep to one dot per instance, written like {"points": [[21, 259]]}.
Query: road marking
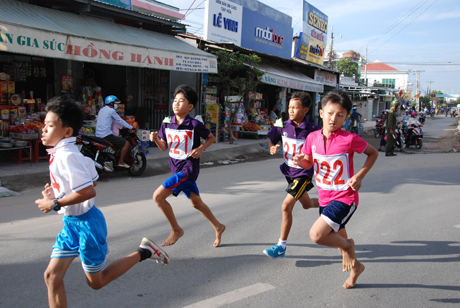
{"points": [[457, 226], [233, 296]]}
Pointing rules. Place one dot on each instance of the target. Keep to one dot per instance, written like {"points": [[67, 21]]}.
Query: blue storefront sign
{"points": [[266, 35]]}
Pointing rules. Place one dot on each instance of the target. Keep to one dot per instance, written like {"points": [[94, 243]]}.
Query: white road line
{"points": [[457, 226], [233, 296]]}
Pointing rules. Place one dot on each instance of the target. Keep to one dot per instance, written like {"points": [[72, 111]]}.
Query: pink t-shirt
{"points": [[333, 165]]}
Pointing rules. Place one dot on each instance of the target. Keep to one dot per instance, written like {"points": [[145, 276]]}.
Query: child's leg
{"points": [[113, 271], [159, 196], [308, 203], [286, 210], [198, 204], [321, 233], [357, 268], [54, 279]]}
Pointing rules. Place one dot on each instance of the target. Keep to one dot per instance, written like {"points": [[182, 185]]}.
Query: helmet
{"points": [[413, 114], [111, 99], [395, 103]]}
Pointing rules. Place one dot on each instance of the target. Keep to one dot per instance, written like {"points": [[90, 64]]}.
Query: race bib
{"points": [[180, 143], [331, 171], [292, 147]]}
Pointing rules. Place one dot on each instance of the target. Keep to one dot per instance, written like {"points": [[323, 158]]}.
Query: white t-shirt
{"points": [[70, 171]]}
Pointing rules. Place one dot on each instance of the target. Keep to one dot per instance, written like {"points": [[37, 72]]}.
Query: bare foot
{"points": [[173, 237], [354, 274], [349, 257], [219, 235]]}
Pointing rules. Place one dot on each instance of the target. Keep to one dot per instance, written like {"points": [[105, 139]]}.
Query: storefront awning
{"points": [[284, 77], [39, 31]]}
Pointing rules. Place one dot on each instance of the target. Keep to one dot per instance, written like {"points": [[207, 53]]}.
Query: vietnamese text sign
{"points": [[55, 45], [223, 21], [326, 78]]}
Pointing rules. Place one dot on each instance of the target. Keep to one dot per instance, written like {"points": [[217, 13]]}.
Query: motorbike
{"points": [[453, 113], [379, 127], [414, 136], [353, 127], [422, 118], [106, 156]]}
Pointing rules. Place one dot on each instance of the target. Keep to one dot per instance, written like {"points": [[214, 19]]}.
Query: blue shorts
{"points": [[337, 214], [178, 183], [85, 236]]}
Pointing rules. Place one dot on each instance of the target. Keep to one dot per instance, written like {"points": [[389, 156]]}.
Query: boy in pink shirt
{"points": [[330, 151]]}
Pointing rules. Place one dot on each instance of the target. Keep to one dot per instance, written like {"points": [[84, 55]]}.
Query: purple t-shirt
{"points": [[293, 138], [182, 139]]}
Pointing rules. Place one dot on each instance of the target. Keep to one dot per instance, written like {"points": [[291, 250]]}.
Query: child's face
{"points": [[181, 105], [53, 131], [333, 115], [296, 111]]}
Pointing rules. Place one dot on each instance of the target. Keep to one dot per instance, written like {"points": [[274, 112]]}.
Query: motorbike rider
{"points": [[105, 119], [412, 121], [355, 116]]}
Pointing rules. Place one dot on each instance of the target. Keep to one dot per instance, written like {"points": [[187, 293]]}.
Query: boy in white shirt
{"points": [[72, 193]]}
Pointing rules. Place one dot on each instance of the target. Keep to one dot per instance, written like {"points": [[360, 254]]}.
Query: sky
{"points": [[415, 35]]}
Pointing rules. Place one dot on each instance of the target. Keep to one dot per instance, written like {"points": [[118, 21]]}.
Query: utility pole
{"points": [[431, 100], [365, 70], [418, 90], [329, 63]]}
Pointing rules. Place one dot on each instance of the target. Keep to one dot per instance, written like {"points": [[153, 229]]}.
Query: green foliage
{"points": [[237, 73], [348, 67]]}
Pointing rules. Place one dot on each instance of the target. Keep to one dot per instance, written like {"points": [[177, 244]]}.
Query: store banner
{"points": [[126, 4], [223, 22], [55, 45], [280, 81], [266, 35], [326, 78], [312, 41]]}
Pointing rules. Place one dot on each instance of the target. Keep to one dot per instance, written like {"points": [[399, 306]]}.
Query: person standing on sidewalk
{"points": [[71, 193], [292, 134], [180, 135], [391, 127]]}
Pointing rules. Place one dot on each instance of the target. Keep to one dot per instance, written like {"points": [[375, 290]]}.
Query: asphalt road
{"points": [[407, 230]]}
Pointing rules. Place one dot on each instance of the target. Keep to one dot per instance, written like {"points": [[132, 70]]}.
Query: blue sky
{"points": [[416, 35]]}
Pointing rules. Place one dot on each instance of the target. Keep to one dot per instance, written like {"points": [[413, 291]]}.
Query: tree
{"points": [[238, 74], [348, 67]]}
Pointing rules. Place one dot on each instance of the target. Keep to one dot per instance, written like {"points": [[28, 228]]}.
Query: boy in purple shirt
{"points": [[292, 134], [180, 135]]}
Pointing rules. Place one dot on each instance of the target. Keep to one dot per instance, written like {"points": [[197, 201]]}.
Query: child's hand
{"points": [[296, 160], [274, 149], [49, 191], [354, 183], [154, 137], [46, 204], [196, 153]]}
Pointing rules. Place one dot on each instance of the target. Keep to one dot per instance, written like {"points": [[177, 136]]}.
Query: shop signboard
{"points": [[311, 45], [223, 21], [326, 78], [266, 35], [55, 45], [126, 4], [280, 81]]}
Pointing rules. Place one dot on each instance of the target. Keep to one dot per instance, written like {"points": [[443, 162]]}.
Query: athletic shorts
{"points": [[178, 183], [85, 236], [118, 142], [297, 186], [337, 214]]}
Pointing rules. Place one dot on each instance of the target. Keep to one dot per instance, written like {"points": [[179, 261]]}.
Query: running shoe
{"points": [[275, 252], [157, 253]]}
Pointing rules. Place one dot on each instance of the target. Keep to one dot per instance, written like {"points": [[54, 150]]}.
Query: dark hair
{"points": [[338, 97], [188, 92], [69, 113], [304, 97]]}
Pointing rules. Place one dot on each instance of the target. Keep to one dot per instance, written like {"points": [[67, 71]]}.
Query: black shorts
{"points": [[118, 142], [297, 186]]}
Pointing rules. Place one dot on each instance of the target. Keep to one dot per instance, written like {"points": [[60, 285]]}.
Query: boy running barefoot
{"points": [[71, 193], [330, 151], [292, 134], [180, 135]]}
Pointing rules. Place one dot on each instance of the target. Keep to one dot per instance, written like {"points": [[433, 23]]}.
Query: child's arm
{"points": [[46, 204], [355, 181], [302, 161], [161, 144], [273, 147], [196, 153]]}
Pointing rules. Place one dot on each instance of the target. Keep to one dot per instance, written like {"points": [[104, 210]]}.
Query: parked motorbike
{"points": [[414, 136], [379, 127], [106, 156]]}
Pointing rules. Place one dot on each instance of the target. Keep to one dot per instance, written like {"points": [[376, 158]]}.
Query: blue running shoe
{"points": [[275, 252]]}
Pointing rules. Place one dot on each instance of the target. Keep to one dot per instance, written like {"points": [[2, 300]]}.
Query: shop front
{"points": [[45, 53]]}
